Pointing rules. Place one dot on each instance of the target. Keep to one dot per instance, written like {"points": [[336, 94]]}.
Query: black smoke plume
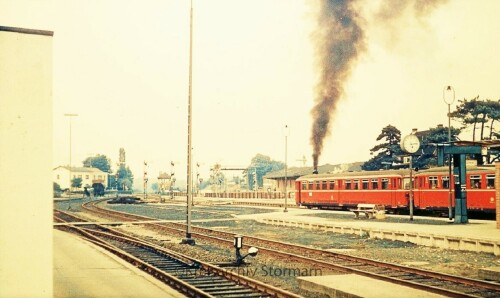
{"points": [[339, 40]]}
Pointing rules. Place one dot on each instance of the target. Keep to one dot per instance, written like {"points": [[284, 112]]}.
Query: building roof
{"points": [[26, 31], [81, 169], [163, 176], [296, 172]]}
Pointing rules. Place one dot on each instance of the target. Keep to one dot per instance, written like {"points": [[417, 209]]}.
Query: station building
{"points": [[89, 176]]}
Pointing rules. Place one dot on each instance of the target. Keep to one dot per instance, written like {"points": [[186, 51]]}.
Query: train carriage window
{"points": [[347, 184], [364, 184], [317, 185], [304, 185], [355, 184], [490, 181], [475, 181], [374, 183], [332, 184], [385, 183], [445, 182], [310, 185], [406, 183], [433, 182], [323, 186]]}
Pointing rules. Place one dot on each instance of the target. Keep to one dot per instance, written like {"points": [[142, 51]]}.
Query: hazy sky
{"points": [[123, 67]]}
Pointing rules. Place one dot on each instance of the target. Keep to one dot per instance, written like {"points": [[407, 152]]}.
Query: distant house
{"points": [[278, 177], [164, 182], [89, 176]]}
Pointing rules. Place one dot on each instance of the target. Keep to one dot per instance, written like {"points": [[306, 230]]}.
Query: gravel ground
{"points": [[460, 263]]}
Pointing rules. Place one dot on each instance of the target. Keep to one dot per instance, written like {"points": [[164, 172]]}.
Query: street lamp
{"points": [[70, 125], [286, 132], [189, 195], [449, 98]]}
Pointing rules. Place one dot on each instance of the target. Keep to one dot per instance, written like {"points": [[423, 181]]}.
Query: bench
{"points": [[370, 210]]}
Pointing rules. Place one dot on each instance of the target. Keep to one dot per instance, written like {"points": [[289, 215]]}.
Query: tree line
{"points": [[474, 113]]}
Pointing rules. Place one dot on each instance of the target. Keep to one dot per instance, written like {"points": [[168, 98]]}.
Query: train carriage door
{"points": [[298, 189], [416, 191], [384, 186], [340, 185], [404, 192]]}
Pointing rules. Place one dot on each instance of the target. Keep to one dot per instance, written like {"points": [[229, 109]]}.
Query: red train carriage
{"points": [[431, 189], [391, 188]]}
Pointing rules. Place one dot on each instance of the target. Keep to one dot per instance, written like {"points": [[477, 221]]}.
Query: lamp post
{"points": [[70, 126], [449, 98], [286, 167], [189, 195]]}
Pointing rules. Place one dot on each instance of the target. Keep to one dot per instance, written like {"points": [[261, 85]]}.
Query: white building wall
{"points": [[25, 163], [61, 176]]}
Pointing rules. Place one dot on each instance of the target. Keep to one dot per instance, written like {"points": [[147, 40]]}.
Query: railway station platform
{"points": [[477, 235], [82, 269], [353, 285]]}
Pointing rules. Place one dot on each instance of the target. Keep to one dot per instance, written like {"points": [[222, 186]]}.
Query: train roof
{"points": [[360, 174], [475, 169], [392, 173]]}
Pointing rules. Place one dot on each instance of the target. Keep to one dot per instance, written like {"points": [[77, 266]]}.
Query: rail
{"points": [[453, 286], [190, 276]]}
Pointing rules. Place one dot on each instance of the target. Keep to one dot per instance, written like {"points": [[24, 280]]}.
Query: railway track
{"points": [[189, 276], [449, 285]]}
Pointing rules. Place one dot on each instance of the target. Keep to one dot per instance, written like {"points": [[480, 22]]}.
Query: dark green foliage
{"points": [[477, 112], [99, 161], [125, 178], [426, 156], [262, 164], [57, 187], [76, 182], [387, 152], [57, 190]]}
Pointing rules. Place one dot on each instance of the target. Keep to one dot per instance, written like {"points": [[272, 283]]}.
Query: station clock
{"points": [[410, 144]]}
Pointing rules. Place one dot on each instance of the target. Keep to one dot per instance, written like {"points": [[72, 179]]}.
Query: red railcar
{"points": [[391, 188]]}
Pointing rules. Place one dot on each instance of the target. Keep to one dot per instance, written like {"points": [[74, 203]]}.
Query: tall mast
{"points": [[188, 239]]}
